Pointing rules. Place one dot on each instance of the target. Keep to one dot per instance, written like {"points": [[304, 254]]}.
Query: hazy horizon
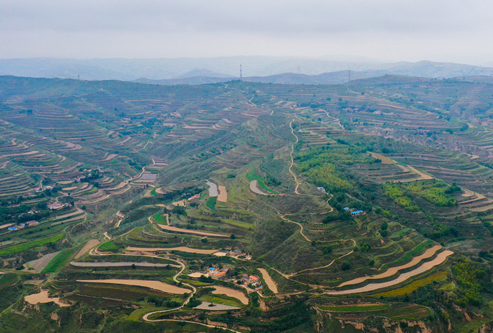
{"points": [[439, 31]]}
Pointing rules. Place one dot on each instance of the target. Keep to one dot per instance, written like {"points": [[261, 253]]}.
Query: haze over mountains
{"points": [[284, 70]]}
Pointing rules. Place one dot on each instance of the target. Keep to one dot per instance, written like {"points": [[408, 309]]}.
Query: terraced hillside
{"points": [[245, 207]]}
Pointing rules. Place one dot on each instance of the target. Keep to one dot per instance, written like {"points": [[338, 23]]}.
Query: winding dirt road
{"points": [[292, 159]]}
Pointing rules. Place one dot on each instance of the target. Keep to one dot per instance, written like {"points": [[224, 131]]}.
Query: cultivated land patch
{"points": [[354, 307], [215, 307], [39, 264], [121, 264], [89, 245], [191, 232], [213, 190], [268, 279], [156, 285], [223, 194], [220, 290], [43, 297], [179, 248], [385, 160], [441, 257], [255, 189], [393, 270]]}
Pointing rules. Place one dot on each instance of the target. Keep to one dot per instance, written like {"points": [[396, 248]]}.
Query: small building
{"points": [[346, 208], [55, 206], [320, 188], [253, 278], [357, 212], [12, 228], [219, 275]]}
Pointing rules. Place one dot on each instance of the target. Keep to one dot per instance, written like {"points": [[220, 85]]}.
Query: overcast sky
{"points": [[412, 30]]}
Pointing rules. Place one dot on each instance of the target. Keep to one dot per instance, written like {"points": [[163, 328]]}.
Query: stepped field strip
{"points": [[254, 188], [268, 279], [441, 257], [220, 290], [393, 270], [39, 264], [89, 245], [121, 264], [385, 160], [43, 297], [363, 307], [213, 190], [155, 285], [223, 194], [191, 232], [179, 248]]}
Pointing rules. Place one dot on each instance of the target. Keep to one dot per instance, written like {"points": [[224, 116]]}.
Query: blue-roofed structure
{"points": [[346, 208], [357, 212]]}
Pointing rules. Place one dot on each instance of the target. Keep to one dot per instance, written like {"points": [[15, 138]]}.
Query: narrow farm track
{"points": [[301, 226], [288, 276], [328, 265], [292, 159]]}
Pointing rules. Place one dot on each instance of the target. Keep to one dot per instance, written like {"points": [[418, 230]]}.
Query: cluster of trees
{"points": [[327, 166], [472, 278], [395, 193], [438, 193]]}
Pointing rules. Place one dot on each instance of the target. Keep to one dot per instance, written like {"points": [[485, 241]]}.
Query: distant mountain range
{"points": [[283, 70]]}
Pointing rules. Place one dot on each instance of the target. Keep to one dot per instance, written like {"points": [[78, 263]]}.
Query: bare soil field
{"points": [[213, 190], [196, 274], [223, 194], [191, 232], [43, 297], [180, 248], [385, 160], [255, 189], [403, 277], [467, 193], [181, 203], [268, 279], [215, 307], [393, 270], [156, 285], [220, 290], [41, 263]]}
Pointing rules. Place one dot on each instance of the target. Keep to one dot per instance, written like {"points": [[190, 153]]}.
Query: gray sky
{"points": [[412, 30]]}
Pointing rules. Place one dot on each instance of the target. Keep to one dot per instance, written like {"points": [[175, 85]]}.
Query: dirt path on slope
{"points": [[301, 227], [292, 159]]}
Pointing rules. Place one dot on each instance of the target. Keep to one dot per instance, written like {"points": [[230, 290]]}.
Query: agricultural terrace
{"points": [[245, 206]]}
